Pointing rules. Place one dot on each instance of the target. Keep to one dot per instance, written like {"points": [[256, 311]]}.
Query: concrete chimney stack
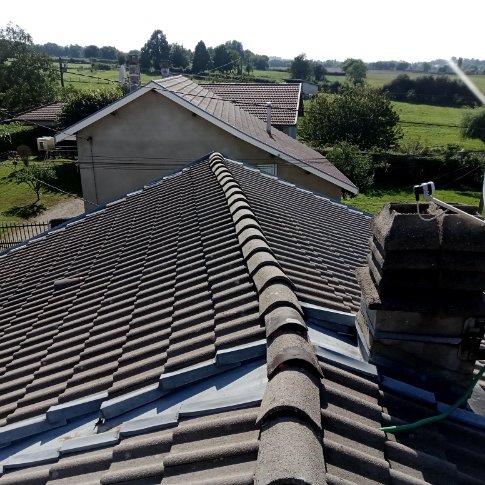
{"points": [[423, 306], [268, 117]]}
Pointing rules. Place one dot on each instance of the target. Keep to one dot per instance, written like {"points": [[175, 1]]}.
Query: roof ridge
{"points": [[290, 409]]}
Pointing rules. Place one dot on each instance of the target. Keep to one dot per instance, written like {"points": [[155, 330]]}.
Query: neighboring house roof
{"points": [[284, 98], [232, 119], [48, 113], [199, 331]]}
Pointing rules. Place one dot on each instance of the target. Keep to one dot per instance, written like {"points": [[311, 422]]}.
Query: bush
{"points": [[84, 103], [357, 166]]}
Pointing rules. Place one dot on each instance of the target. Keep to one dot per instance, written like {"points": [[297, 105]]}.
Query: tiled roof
{"points": [[49, 113], [252, 97], [147, 293]]}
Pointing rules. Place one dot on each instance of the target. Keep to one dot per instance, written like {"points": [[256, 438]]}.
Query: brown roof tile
{"points": [[252, 97]]}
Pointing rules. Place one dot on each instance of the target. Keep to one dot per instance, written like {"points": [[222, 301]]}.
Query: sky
{"points": [[372, 30]]}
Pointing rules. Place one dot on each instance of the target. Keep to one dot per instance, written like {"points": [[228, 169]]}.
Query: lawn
{"points": [[17, 200], [374, 199], [276, 76], [433, 126]]}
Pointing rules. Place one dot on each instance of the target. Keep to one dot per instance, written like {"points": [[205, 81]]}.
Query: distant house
{"points": [[308, 88], [167, 123], [44, 115], [286, 101]]}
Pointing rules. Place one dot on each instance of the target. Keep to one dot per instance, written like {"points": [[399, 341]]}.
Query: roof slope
{"points": [[252, 97], [233, 119], [125, 267], [49, 113]]}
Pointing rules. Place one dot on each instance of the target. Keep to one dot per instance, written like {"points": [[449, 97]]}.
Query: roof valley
{"points": [[290, 410]]}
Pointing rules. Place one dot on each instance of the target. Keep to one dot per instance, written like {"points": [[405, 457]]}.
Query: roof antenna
{"points": [[427, 189]]}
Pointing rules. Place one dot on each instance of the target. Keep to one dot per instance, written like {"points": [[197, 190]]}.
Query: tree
{"points": [[357, 166], [202, 58], [360, 115], [179, 56], [319, 72], [473, 124], [223, 61], [108, 52], [91, 51], [300, 67], [355, 70], [85, 103], [27, 77], [155, 50], [35, 176]]}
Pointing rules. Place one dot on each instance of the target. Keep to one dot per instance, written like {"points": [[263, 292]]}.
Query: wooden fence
{"points": [[13, 234]]}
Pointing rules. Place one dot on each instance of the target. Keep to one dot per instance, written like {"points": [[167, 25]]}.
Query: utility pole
{"points": [[61, 70]]}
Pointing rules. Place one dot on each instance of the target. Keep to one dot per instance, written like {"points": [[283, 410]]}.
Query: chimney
{"points": [[422, 314], [268, 118], [165, 68], [134, 72]]}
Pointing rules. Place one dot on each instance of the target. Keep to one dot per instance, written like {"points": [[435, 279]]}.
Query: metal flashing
{"points": [[31, 459], [136, 192], [74, 409], [335, 341], [17, 431], [145, 425], [241, 353], [463, 416], [127, 402], [117, 201], [319, 314], [247, 398], [408, 390], [173, 380], [90, 442], [345, 362]]}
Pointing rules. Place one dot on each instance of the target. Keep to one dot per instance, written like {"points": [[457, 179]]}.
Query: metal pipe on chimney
{"points": [[268, 118]]}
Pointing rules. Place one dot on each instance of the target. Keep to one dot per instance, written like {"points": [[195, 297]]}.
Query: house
{"points": [[166, 124], [44, 115], [203, 330], [286, 101], [308, 88]]}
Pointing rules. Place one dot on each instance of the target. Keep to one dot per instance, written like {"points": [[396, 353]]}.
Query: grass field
{"points": [[16, 202], [433, 126], [375, 199]]}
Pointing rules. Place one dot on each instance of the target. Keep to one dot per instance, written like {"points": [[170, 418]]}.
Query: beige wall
{"points": [[152, 137]]}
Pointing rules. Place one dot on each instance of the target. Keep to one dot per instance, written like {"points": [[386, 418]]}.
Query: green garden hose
{"points": [[438, 417]]}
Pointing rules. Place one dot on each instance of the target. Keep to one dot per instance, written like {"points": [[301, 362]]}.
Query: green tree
{"points": [[360, 115], [27, 77], [179, 56], [355, 70], [473, 124], [319, 72], [155, 50], [91, 51], [300, 68], [108, 52], [357, 166], [202, 59], [35, 176], [223, 61], [84, 103]]}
